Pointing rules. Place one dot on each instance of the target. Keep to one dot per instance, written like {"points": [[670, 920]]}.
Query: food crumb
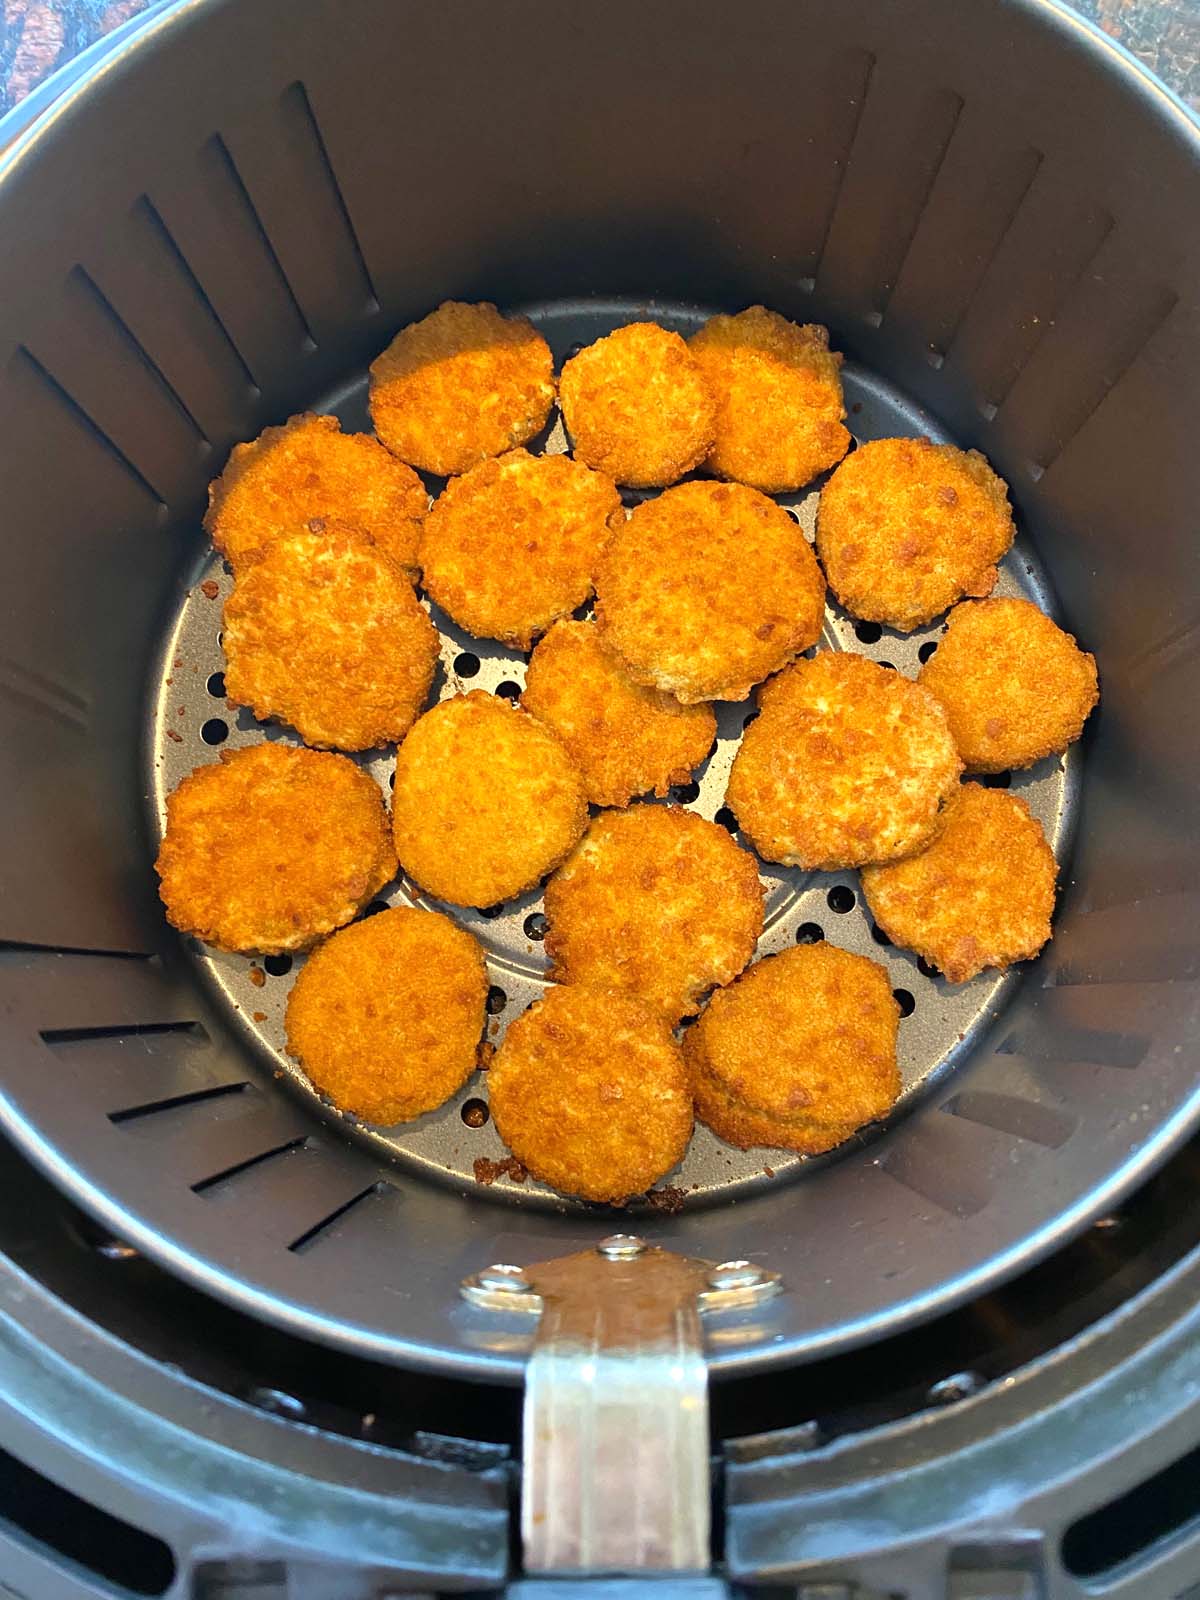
{"points": [[486, 1052], [486, 1172], [668, 1199], [768, 1172], [211, 588], [171, 734], [257, 977], [259, 1016]]}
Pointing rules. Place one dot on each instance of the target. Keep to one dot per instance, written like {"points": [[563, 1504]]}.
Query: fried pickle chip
{"points": [[487, 801], [589, 1091], [325, 633], [655, 901], [512, 545], [779, 399], [386, 1017], [848, 763], [707, 590], [271, 847], [1014, 685], [627, 739], [637, 406], [462, 384], [905, 528], [309, 469], [798, 1052], [981, 896]]}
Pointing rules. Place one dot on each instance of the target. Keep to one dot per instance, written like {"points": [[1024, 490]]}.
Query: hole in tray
{"points": [[475, 1113], [727, 819], [496, 1000], [809, 933], [537, 925], [996, 780], [841, 898], [491, 912], [215, 731], [278, 966], [375, 908], [216, 685], [924, 968], [753, 717], [466, 664], [905, 1001], [508, 690], [926, 650], [685, 793], [868, 632], [878, 935]]}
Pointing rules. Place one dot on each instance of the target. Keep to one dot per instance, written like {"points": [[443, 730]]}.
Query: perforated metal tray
{"points": [[192, 722]]}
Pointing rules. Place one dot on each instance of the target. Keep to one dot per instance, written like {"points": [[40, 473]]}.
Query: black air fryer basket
{"points": [[998, 217]]}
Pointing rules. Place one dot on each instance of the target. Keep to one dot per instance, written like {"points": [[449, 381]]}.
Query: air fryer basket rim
{"points": [[141, 1230]]}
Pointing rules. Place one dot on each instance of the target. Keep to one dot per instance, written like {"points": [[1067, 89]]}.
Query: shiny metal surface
{"points": [[616, 1435]]}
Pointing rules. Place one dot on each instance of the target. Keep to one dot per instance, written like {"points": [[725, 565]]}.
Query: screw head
{"points": [[958, 1386], [736, 1275], [501, 1278], [621, 1247]]}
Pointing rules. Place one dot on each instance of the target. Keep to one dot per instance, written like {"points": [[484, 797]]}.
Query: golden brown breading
{"points": [[779, 399], [512, 545], [386, 1017], [707, 590], [655, 901], [487, 801], [981, 896], [626, 739], [1015, 687], [589, 1091], [308, 468], [798, 1052], [271, 847], [462, 384], [325, 633], [905, 528], [848, 763], [637, 406]]}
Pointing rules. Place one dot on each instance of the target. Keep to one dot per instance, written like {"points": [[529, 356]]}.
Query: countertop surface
{"points": [[36, 36]]}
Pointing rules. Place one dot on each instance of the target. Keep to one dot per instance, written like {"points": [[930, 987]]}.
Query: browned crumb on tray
{"points": [[486, 1172]]}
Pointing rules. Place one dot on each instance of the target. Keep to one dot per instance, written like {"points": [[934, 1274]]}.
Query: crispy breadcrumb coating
{"points": [[271, 847], [627, 739], [981, 896], [486, 801], [707, 590], [461, 384], [386, 1017], [779, 400], [589, 1091], [655, 901], [512, 545], [905, 528], [637, 406]]}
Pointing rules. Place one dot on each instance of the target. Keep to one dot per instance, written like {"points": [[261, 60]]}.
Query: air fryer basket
{"points": [[998, 219]]}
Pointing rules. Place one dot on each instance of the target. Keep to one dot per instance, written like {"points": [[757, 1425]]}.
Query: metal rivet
{"points": [[958, 1386], [503, 1279], [621, 1247], [115, 1250], [736, 1275], [279, 1402]]}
